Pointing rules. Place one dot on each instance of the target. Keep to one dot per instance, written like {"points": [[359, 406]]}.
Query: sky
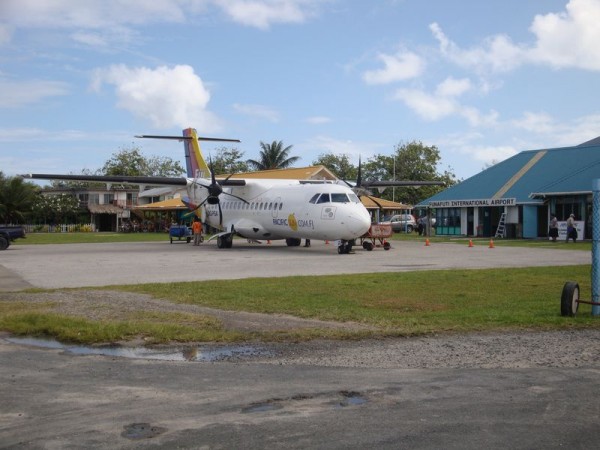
{"points": [[480, 80]]}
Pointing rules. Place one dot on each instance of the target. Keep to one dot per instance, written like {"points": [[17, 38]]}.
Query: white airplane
{"points": [[259, 209]]}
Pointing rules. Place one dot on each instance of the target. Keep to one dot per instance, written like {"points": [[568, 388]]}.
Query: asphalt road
{"points": [[53, 399]]}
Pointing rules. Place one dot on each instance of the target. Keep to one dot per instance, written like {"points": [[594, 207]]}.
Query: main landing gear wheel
{"points": [[344, 248], [569, 300], [224, 241]]}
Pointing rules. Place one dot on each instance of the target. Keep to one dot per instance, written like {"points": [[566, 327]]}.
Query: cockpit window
{"points": [[314, 198], [354, 198], [339, 198], [324, 198]]}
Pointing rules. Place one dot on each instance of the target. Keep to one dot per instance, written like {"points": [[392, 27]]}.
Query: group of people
{"points": [[571, 230]]}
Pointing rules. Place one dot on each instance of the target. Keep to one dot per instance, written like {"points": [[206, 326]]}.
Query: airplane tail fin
{"points": [[194, 160], [196, 166]]}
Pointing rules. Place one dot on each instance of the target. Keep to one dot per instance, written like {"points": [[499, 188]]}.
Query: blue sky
{"points": [[481, 80]]}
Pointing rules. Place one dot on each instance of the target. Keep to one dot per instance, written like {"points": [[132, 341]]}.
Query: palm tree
{"points": [[16, 199], [273, 156]]}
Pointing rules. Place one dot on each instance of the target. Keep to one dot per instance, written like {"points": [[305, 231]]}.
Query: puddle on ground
{"points": [[164, 354], [351, 398], [136, 431]]}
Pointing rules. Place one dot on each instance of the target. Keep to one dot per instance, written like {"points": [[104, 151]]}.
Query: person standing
{"points": [[571, 230], [553, 232], [197, 231]]}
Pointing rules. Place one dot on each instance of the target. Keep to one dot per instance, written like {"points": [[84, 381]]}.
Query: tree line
{"points": [[21, 200]]}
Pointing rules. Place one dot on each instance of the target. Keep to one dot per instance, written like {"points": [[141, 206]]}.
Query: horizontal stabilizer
{"points": [[183, 138]]}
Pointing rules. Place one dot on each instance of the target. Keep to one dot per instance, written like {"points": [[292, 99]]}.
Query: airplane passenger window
{"points": [[261, 206], [275, 206], [270, 206], [280, 206], [324, 198], [339, 198], [314, 198]]}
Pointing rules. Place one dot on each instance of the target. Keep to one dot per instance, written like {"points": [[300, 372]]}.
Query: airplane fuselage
{"points": [[286, 209]]}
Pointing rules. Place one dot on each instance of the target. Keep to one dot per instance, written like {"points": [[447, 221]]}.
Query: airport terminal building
{"points": [[515, 198]]}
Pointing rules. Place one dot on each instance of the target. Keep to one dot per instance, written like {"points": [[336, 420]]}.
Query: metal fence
{"points": [[60, 228]]}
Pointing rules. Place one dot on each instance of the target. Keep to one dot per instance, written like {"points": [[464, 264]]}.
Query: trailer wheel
{"points": [[387, 245], [569, 299], [3, 243], [367, 246]]}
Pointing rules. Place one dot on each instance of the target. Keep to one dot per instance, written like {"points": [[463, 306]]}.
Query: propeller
{"points": [[359, 189], [214, 191]]}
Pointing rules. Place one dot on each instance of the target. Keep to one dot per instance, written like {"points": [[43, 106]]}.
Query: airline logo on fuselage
{"points": [[293, 223]]}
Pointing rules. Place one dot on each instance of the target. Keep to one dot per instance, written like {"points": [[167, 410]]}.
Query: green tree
{"points": [[340, 165], [273, 156], [228, 160], [130, 162], [16, 199], [410, 161], [56, 208]]}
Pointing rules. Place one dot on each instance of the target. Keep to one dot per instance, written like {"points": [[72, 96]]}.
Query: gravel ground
{"points": [[570, 348]]}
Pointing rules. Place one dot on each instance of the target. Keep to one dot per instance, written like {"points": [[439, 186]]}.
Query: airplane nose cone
{"points": [[359, 222]]}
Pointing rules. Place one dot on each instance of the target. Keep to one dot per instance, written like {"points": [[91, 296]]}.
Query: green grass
{"points": [[89, 238], [400, 303], [394, 304]]}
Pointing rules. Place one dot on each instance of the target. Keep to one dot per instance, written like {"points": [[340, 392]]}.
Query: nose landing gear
{"points": [[345, 247]]}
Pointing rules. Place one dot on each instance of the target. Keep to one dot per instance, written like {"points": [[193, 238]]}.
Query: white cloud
{"points": [[325, 144], [166, 96], [490, 154], [20, 93], [259, 111], [569, 39], [444, 103], [495, 54], [108, 14], [5, 34], [399, 67], [263, 13], [318, 120]]}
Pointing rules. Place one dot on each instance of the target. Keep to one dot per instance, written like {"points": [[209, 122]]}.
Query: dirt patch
{"points": [[115, 305]]}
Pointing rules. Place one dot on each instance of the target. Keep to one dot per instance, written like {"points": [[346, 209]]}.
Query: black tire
{"points": [[189, 240], [368, 246], [568, 299], [409, 228], [387, 245], [4, 243], [293, 242], [221, 243]]}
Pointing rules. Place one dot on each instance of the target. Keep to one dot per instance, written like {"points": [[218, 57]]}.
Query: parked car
{"points": [[9, 234], [402, 222]]}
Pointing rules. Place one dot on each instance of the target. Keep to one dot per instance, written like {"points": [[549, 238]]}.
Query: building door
{"points": [[470, 218]]}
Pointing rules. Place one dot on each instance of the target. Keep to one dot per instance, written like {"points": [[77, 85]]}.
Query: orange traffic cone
{"points": [[426, 242], [470, 243], [492, 243]]}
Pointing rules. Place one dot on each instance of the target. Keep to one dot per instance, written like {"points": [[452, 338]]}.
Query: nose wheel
{"points": [[345, 247]]}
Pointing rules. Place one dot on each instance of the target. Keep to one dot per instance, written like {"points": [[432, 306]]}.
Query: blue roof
{"points": [[531, 175]]}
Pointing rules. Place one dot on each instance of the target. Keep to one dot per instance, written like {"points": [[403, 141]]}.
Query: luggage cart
{"points": [[376, 236], [180, 232]]}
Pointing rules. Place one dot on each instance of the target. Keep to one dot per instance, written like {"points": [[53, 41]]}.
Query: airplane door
{"points": [[276, 206]]}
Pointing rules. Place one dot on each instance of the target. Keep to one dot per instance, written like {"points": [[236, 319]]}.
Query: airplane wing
{"points": [[397, 183], [154, 181]]}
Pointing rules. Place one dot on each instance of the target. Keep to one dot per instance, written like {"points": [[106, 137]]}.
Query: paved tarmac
{"points": [[54, 399], [79, 265]]}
